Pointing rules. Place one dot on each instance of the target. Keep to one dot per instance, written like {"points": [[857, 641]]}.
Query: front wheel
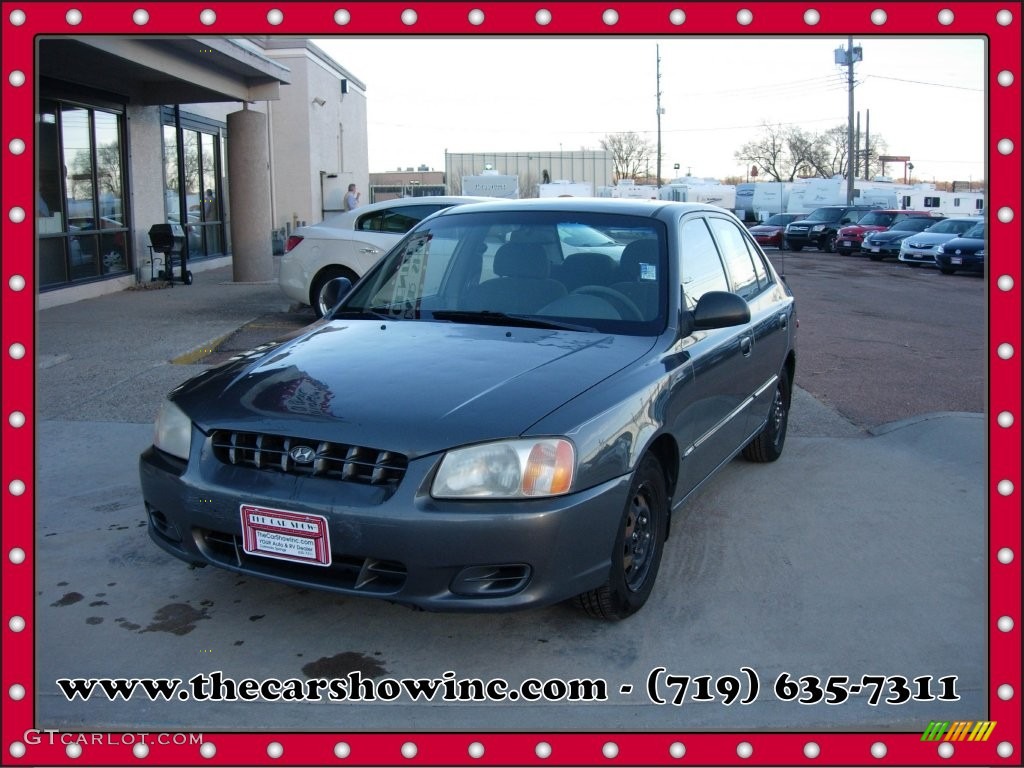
{"points": [[827, 244], [768, 443], [875, 256], [636, 553], [947, 270], [794, 246]]}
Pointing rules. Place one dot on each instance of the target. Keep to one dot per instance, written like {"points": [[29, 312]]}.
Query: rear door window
{"points": [[701, 267], [737, 258]]}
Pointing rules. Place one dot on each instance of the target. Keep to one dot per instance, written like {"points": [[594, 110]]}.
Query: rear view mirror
{"points": [[720, 309]]}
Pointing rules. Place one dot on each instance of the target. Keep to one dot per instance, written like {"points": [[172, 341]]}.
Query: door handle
{"points": [[783, 321], [746, 345], [368, 250]]}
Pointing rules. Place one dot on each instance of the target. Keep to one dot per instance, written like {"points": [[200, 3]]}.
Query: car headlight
{"points": [[817, 228], [980, 253], [172, 432], [940, 249], [508, 469]]}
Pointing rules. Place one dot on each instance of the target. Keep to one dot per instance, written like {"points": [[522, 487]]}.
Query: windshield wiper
{"points": [[364, 313], [486, 317]]}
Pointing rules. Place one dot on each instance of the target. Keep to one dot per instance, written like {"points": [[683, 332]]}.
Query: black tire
{"points": [[795, 247], [843, 253], [636, 553], [875, 256], [767, 445], [827, 244], [188, 278], [320, 281], [947, 270]]}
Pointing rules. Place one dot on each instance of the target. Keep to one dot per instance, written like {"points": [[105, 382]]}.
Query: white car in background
{"points": [[350, 243], [920, 248]]}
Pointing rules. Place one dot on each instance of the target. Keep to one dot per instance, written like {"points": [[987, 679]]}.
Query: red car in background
{"points": [[849, 239], [772, 232]]}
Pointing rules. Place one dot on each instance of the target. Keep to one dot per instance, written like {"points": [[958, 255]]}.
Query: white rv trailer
{"points": [[759, 200], [565, 188], [924, 197], [700, 191], [491, 184], [628, 188]]}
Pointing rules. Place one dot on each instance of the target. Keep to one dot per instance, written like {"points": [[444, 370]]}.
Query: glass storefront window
{"points": [[199, 169], [81, 221]]}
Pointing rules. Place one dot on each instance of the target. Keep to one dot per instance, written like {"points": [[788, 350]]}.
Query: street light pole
{"points": [[850, 147], [657, 69]]}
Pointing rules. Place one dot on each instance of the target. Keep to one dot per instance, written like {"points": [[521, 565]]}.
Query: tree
{"points": [[630, 154], [785, 152]]}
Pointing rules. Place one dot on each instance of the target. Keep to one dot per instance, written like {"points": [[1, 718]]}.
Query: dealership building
{"points": [[233, 139]]}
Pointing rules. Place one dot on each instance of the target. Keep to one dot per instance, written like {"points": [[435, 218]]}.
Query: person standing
{"points": [[351, 198]]}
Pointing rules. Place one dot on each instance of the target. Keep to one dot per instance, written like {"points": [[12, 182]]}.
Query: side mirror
{"points": [[336, 290], [720, 309]]}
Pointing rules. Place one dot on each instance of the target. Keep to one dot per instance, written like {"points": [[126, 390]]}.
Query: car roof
{"points": [[344, 220], [608, 205]]}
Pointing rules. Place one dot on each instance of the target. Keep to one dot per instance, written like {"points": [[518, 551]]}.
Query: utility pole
{"points": [[657, 70], [850, 146]]}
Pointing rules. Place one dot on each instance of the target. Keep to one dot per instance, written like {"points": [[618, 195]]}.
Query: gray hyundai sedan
{"points": [[489, 419]]}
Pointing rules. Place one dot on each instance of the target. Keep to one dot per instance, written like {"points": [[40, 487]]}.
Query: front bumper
{"points": [[406, 547], [968, 262], [917, 256]]}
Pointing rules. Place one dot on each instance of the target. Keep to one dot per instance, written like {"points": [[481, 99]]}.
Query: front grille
{"points": [[361, 574], [336, 461]]}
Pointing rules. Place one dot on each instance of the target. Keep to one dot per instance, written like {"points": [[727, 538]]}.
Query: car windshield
{"points": [[514, 268], [918, 224], [825, 214], [877, 219], [977, 231], [779, 220], [951, 227], [582, 236]]}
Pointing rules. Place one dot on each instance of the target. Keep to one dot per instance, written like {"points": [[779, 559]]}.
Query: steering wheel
{"points": [[623, 304]]}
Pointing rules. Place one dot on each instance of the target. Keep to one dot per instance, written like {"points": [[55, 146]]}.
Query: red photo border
{"points": [[999, 23]]}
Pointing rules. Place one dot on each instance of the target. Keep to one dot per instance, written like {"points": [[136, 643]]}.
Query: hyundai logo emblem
{"points": [[302, 454]]}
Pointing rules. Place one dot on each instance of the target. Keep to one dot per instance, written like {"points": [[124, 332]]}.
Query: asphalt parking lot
{"points": [[846, 557]]}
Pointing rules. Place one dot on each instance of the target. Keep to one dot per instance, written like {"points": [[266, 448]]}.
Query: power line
{"points": [[922, 82]]}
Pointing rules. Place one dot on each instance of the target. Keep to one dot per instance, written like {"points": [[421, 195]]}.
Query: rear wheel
{"points": [[794, 246], [827, 244], [947, 270], [768, 443], [316, 291], [875, 256], [636, 554]]}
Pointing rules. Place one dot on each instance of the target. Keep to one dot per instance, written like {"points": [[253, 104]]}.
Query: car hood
{"points": [[413, 387], [929, 239], [890, 235], [767, 229], [963, 244]]}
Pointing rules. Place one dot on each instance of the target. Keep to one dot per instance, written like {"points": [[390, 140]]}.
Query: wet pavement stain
{"points": [[69, 599], [96, 603], [342, 664], [62, 583], [176, 619], [257, 617], [94, 620], [125, 624]]}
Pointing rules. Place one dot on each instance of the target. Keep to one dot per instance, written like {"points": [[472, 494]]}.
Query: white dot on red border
{"points": [[141, 750], [275, 749], [16, 283], [16, 692], [744, 16], [141, 17], [811, 750], [17, 749], [17, 487], [16, 555], [1005, 351], [17, 17], [677, 16], [16, 214], [1005, 419], [1005, 215], [1005, 555], [208, 17], [946, 750], [1005, 624], [73, 17], [879, 750], [1005, 146], [476, 750], [1005, 487], [409, 17], [811, 17], [16, 351], [342, 17], [946, 17], [610, 750], [543, 17], [1005, 692], [16, 78], [74, 751], [409, 750], [476, 17], [1004, 18], [677, 750], [1005, 749], [543, 750], [16, 624], [879, 17], [342, 750], [1005, 282], [208, 749], [610, 17], [275, 16], [1005, 78], [16, 146]]}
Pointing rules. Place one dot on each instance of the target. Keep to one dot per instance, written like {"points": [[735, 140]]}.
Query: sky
{"points": [[926, 96]]}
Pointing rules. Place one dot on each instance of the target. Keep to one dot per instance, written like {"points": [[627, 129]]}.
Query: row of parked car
{"points": [[913, 237]]}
